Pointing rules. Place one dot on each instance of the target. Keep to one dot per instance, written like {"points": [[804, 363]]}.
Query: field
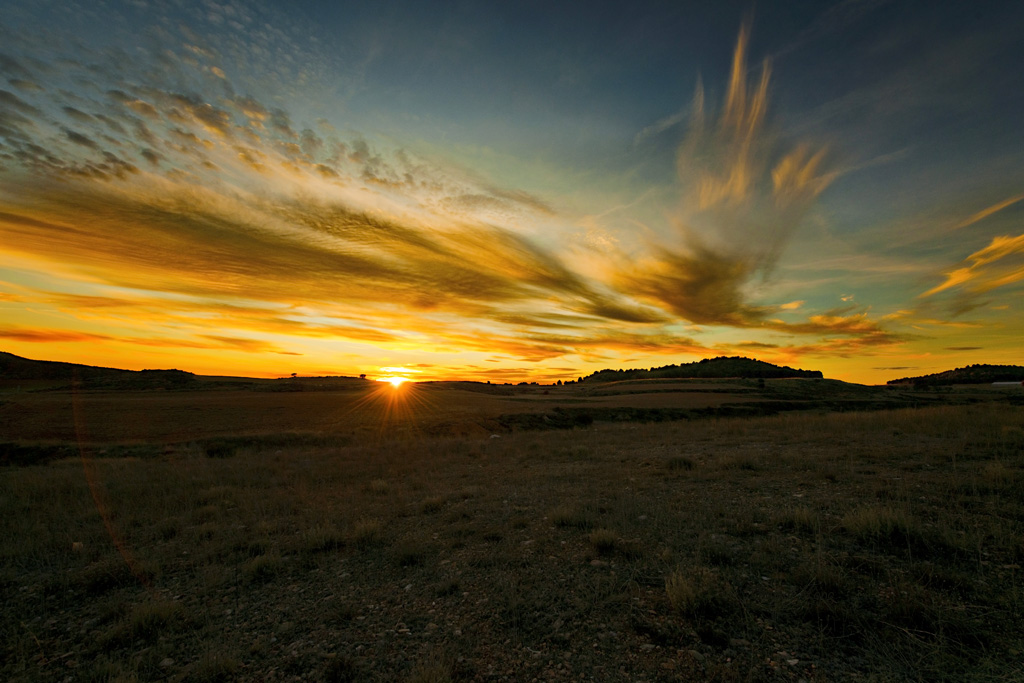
{"points": [[675, 530]]}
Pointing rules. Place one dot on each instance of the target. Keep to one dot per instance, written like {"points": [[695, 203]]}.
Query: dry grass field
{"points": [[330, 536]]}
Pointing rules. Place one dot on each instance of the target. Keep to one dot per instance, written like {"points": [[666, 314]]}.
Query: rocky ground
{"points": [[870, 546]]}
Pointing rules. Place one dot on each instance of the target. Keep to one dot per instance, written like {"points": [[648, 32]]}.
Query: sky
{"points": [[512, 191]]}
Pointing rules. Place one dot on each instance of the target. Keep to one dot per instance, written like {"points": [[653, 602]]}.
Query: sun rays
{"points": [[390, 406]]}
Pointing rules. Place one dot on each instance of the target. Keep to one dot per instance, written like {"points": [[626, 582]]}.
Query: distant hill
{"points": [[90, 377], [707, 368], [972, 374]]}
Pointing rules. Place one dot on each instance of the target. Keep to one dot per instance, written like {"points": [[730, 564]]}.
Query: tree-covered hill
{"points": [[972, 374], [707, 368]]}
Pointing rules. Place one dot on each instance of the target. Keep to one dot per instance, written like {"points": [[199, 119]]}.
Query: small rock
{"points": [[647, 647], [697, 656], [166, 662]]}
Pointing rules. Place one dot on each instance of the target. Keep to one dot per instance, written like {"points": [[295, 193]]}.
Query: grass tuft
{"points": [[680, 463], [431, 670], [322, 538], [368, 532], [341, 669], [799, 519], [149, 618], [432, 505], [263, 568], [698, 592], [571, 516], [411, 554], [878, 523], [604, 541], [146, 622], [214, 667]]}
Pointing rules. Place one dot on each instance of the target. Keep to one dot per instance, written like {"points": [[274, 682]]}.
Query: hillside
{"points": [[708, 368], [972, 374], [90, 377]]}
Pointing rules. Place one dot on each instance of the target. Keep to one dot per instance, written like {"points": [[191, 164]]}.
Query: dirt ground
{"points": [[882, 545]]}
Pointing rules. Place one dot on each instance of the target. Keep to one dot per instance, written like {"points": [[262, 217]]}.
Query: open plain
{"points": [[337, 530]]}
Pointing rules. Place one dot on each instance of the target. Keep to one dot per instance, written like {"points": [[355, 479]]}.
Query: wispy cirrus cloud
{"points": [[998, 265], [745, 190], [49, 336], [61, 336], [208, 195]]}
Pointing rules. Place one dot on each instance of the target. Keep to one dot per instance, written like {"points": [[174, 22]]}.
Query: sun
{"points": [[395, 382]]}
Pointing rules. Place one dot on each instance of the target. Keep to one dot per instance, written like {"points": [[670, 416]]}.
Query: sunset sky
{"points": [[512, 191]]}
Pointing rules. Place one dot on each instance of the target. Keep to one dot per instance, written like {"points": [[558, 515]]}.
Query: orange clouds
{"points": [[48, 336], [744, 191], [208, 220], [997, 265]]}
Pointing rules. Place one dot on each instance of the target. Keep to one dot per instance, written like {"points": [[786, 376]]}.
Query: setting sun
{"points": [[394, 381]]}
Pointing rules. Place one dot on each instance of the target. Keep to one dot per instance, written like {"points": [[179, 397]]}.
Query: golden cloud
{"points": [[744, 191], [240, 224], [997, 265]]}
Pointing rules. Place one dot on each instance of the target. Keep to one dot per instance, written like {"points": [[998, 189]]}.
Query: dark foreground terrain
{"points": [[822, 546]]}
